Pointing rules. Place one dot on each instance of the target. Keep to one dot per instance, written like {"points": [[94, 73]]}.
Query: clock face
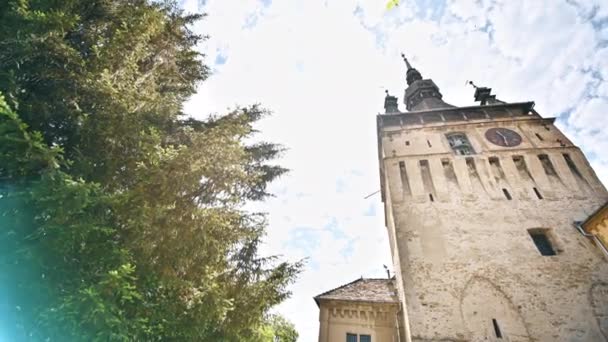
{"points": [[503, 137]]}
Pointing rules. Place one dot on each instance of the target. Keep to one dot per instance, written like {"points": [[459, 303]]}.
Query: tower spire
{"points": [[412, 75], [407, 63]]}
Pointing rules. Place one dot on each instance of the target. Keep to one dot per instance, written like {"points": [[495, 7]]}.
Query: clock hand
{"points": [[503, 137]]}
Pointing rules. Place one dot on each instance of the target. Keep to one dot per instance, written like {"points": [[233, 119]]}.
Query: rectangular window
{"points": [[507, 194], [365, 338], [351, 337], [571, 165], [538, 193], [497, 331], [547, 165], [542, 241]]}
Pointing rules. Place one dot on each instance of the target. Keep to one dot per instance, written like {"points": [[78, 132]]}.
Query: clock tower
{"points": [[482, 206]]}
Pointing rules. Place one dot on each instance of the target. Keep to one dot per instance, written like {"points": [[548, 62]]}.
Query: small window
{"points": [[538, 193], [407, 143], [428, 142], [571, 165], [507, 194], [431, 198], [496, 328], [460, 144], [547, 165], [351, 337], [539, 137], [365, 338], [542, 241]]}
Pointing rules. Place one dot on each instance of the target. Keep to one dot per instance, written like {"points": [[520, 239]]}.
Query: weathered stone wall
{"points": [[462, 250]]}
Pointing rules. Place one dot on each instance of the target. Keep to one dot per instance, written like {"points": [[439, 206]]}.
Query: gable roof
{"points": [[365, 290]]}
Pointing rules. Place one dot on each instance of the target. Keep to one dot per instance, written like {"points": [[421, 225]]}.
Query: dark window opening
{"points": [[538, 193], [571, 165], [542, 242], [404, 179], [507, 194], [496, 328], [429, 143], [365, 338], [493, 161], [351, 337], [407, 143], [547, 165], [431, 198], [539, 137]]}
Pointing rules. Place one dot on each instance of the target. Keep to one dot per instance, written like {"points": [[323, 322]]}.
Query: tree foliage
{"points": [[277, 329], [122, 219]]}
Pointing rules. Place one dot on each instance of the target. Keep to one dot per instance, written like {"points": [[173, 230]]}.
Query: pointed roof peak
{"points": [[412, 75], [407, 63]]}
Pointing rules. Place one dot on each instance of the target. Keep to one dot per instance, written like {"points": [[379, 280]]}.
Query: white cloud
{"points": [[322, 67]]}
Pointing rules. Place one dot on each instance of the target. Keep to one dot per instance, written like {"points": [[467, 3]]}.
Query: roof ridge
{"points": [[337, 288], [389, 282]]}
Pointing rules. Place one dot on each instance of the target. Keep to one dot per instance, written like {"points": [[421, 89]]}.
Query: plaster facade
{"points": [[467, 268], [339, 318]]}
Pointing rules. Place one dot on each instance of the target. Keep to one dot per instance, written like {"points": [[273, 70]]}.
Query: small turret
{"points": [[390, 103], [484, 95]]}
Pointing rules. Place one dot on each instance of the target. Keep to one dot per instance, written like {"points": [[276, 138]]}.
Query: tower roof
{"points": [[484, 95], [421, 94], [411, 75]]}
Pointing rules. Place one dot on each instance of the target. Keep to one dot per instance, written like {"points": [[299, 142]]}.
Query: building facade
{"points": [[481, 205], [364, 310]]}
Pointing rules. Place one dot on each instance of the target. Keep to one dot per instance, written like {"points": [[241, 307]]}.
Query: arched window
{"points": [[460, 144]]}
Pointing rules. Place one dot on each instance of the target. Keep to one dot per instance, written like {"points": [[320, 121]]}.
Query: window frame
{"points": [[466, 144]]}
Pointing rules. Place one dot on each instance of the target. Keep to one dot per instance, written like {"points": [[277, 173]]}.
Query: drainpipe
{"points": [[599, 242]]}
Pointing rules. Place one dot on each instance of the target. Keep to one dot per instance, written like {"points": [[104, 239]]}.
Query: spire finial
{"points": [[473, 84], [407, 63]]}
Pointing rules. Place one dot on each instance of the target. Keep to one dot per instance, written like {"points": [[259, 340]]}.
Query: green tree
{"points": [[122, 219], [276, 329]]}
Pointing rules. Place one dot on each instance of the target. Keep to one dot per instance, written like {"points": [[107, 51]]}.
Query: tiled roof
{"points": [[368, 290]]}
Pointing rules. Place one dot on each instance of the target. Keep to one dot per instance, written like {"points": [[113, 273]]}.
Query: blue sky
{"points": [[322, 66]]}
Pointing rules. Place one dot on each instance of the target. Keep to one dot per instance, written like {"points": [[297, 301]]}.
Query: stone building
{"points": [[364, 310], [483, 207]]}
